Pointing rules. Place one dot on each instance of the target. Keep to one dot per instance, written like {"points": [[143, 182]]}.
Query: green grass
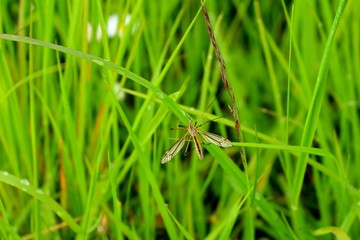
{"points": [[77, 162]]}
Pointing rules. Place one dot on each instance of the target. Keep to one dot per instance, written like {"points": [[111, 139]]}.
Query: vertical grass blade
{"points": [[315, 108]]}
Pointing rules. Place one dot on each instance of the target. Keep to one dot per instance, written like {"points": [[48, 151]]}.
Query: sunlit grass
{"points": [[86, 118]]}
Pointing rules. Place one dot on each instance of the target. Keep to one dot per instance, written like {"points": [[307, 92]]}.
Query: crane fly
{"points": [[192, 134]]}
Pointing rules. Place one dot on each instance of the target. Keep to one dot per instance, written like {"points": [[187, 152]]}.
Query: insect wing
{"points": [[216, 139], [175, 149]]}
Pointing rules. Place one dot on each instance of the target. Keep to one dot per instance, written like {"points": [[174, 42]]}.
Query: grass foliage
{"points": [[86, 117]]}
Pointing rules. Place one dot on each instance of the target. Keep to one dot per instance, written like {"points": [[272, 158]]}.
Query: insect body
{"points": [[193, 132]]}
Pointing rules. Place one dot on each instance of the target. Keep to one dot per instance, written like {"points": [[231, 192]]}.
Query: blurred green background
{"points": [[89, 91]]}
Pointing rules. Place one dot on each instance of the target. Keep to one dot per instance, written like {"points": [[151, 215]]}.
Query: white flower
{"points": [[114, 27]]}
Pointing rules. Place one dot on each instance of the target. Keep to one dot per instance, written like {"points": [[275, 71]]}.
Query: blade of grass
{"points": [[233, 214], [85, 223], [237, 176], [116, 202], [269, 61], [7, 231], [337, 232], [24, 186], [314, 110], [107, 65], [186, 234], [145, 167], [267, 211], [71, 137]]}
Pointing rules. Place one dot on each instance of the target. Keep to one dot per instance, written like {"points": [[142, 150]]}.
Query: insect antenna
{"points": [[207, 108], [208, 121]]}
